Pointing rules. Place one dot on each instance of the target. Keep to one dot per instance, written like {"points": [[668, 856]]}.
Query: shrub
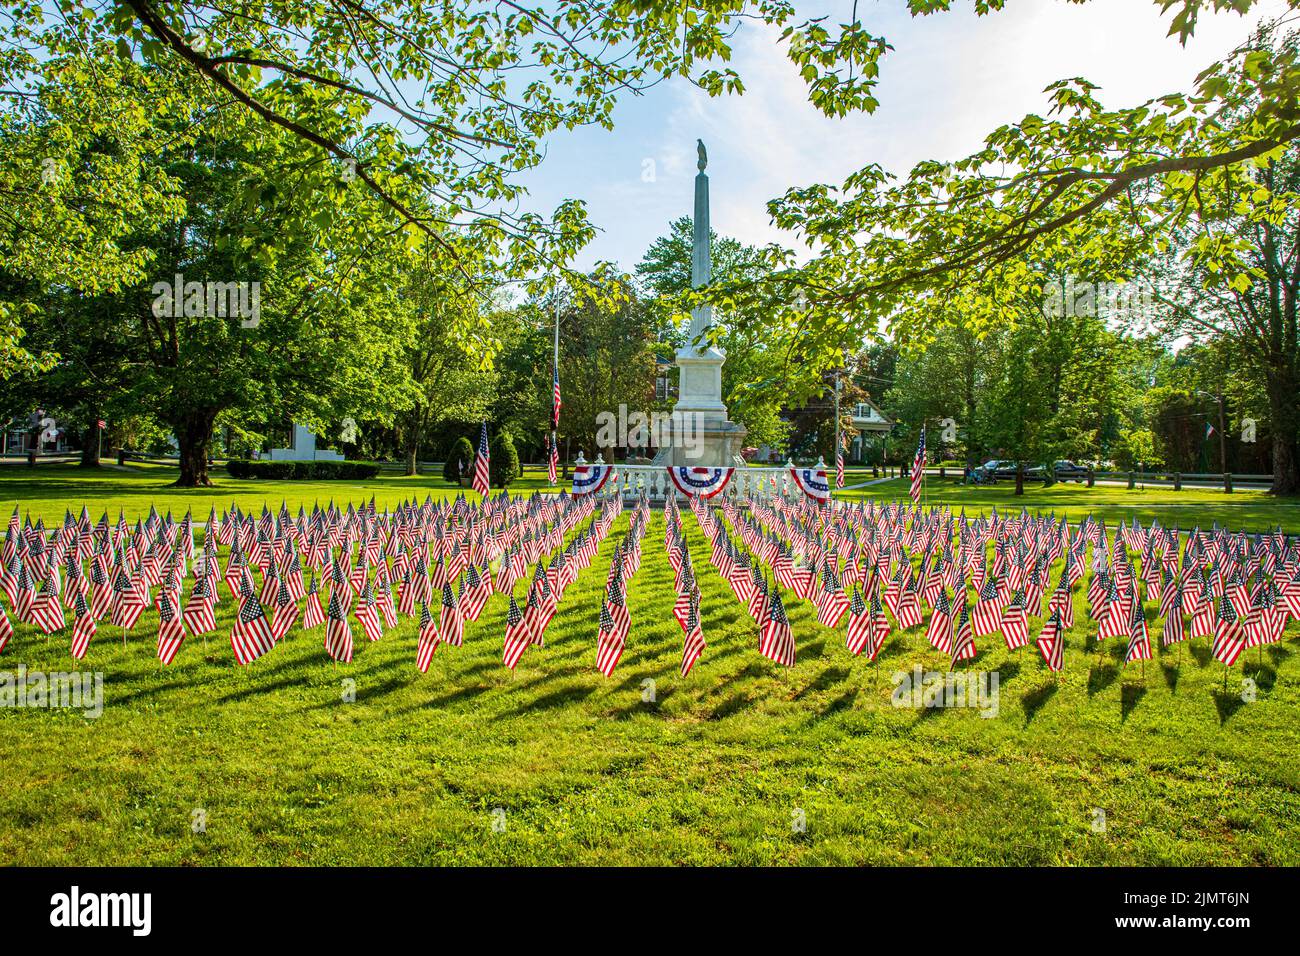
{"points": [[303, 470], [463, 452], [504, 467]]}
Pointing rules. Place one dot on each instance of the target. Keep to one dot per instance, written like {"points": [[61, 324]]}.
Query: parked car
{"points": [[1064, 470], [995, 469]]}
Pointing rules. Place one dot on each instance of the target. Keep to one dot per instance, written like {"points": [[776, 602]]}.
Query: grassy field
{"points": [[573, 768]]}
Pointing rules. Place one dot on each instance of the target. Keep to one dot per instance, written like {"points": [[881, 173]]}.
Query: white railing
{"points": [[746, 481]]}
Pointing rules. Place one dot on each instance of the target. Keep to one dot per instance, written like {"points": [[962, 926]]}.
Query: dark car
{"points": [[1064, 470], [995, 469]]}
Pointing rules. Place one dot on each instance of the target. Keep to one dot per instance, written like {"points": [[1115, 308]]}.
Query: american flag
{"points": [[939, 632], [609, 645], [198, 614], [518, 636], [693, 645], [555, 397], [47, 611], [481, 461], [171, 630], [312, 615], [553, 460], [450, 622], [1051, 642], [918, 468], [427, 643], [7, 629], [963, 643], [286, 612], [859, 632], [251, 636], [1015, 625], [1139, 640], [839, 466], [775, 639], [475, 596], [102, 424], [1228, 638], [338, 634], [82, 630]]}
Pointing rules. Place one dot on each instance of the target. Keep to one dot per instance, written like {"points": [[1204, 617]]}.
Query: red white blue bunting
{"points": [[702, 482], [588, 479], [812, 482]]}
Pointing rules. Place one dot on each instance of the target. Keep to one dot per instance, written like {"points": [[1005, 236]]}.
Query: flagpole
{"points": [[555, 372], [838, 379]]}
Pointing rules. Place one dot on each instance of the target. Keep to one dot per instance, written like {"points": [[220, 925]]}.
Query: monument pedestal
{"points": [[701, 413]]}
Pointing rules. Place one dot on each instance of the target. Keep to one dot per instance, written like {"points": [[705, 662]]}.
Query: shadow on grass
{"points": [[1100, 677], [257, 690], [1171, 675], [1007, 672], [1129, 696], [1227, 704], [559, 698], [841, 703], [1264, 675], [824, 681], [1200, 653], [730, 706], [1033, 700]]}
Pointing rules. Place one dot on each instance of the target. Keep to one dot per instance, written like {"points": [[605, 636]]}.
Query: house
{"points": [[871, 423]]}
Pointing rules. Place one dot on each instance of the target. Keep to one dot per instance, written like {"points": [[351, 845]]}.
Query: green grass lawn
{"points": [[1249, 510], [584, 770]]}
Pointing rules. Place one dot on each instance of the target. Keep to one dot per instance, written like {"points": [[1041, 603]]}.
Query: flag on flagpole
{"points": [[102, 424], [481, 460], [553, 460], [1209, 430], [555, 397], [918, 468], [839, 466]]}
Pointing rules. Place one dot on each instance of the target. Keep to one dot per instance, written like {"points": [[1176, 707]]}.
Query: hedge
{"points": [[461, 452], [303, 470], [504, 467]]}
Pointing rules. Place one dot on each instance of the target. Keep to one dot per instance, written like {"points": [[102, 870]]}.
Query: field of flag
{"points": [[593, 666]]}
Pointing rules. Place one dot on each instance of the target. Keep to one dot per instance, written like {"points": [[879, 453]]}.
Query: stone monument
{"points": [[718, 440]]}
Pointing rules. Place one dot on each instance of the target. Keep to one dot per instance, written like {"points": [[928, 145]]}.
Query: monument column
{"points": [[700, 411]]}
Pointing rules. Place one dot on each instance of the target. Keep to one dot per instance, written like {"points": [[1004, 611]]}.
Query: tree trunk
{"points": [[1284, 418], [90, 447], [1020, 478], [411, 468], [193, 433]]}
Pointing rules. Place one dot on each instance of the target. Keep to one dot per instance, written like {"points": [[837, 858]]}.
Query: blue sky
{"points": [[950, 80]]}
